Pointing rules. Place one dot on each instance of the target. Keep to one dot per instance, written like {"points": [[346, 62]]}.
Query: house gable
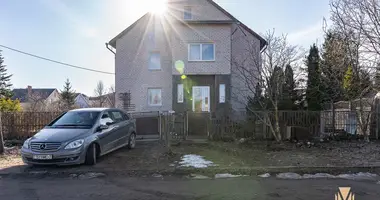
{"points": [[201, 10], [205, 11]]}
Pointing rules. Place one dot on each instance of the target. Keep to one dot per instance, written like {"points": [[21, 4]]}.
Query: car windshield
{"points": [[77, 119]]}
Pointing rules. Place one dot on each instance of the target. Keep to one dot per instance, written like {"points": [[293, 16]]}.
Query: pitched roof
{"points": [[263, 42], [76, 95], [106, 96], [22, 94], [125, 31]]}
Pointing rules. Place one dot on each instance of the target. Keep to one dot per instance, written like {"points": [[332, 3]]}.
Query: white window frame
{"points": [[150, 54], [222, 93], [180, 89], [184, 12], [200, 52], [160, 104]]}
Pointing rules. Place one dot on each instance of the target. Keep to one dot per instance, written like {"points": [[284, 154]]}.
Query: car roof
{"points": [[91, 109]]}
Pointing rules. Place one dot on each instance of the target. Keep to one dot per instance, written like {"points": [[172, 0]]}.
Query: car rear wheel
{"points": [[132, 141], [91, 155]]}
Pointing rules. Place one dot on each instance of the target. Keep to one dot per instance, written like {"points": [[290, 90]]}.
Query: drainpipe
{"points": [[107, 46]]}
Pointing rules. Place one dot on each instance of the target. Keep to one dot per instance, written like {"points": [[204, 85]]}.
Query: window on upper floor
{"points": [[187, 13], [201, 52], [154, 61]]}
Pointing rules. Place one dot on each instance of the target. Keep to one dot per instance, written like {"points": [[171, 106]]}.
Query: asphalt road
{"points": [[115, 188]]}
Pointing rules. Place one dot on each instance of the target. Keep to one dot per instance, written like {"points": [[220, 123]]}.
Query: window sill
{"points": [[155, 105], [155, 69], [201, 60]]}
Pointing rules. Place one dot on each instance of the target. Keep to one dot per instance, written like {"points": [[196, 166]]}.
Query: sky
{"points": [[75, 32]]}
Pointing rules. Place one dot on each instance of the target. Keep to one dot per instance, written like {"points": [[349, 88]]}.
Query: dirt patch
{"points": [[259, 154], [10, 158]]}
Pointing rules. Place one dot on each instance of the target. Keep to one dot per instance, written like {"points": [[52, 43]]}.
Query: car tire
{"points": [[132, 141], [91, 155]]}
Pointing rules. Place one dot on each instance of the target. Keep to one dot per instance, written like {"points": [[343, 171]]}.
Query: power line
{"points": [[57, 62]]}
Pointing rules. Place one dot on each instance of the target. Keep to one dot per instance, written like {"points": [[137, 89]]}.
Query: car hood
{"points": [[58, 134]]}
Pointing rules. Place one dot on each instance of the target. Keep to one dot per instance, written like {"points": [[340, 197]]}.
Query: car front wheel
{"points": [[91, 155]]}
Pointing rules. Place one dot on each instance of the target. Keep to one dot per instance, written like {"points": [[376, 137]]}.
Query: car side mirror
{"points": [[108, 123], [102, 127]]}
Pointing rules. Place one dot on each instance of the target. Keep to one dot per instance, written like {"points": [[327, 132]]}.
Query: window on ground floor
{"points": [[222, 93], [180, 93], [154, 97]]}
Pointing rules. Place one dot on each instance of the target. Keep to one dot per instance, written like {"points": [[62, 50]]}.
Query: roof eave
{"points": [[112, 42], [263, 42]]}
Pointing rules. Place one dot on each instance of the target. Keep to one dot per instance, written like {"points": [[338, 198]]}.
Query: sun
{"points": [[158, 6]]}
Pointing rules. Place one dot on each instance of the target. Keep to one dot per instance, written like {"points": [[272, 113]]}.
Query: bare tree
{"points": [[112, 96], [37, 102], [100, 93], [267, 71], [358, 21]]}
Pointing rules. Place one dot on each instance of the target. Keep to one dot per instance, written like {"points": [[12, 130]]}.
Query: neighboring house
{"points": [[36, 98], [101, 101], [185, 60], [81, 100]]}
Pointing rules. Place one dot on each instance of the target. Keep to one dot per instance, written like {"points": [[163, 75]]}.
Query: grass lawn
{"points": [[263, 154]]}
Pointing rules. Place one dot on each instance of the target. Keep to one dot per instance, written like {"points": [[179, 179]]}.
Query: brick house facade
{"points": [[157, 59]]}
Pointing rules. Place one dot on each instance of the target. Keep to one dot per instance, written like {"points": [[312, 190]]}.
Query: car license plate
{"points": [[42, 157]]}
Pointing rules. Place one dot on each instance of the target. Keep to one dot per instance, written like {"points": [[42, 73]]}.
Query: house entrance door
{"points": [[201, 99], [198, 119]]}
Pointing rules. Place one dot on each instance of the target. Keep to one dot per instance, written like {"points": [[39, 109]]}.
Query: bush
{"points": [[8, 105]]}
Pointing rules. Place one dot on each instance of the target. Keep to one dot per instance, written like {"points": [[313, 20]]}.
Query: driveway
{"points": [[146, 156], [179, 188]]}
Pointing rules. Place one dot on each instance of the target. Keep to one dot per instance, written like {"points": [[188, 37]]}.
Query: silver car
{"points": [[80, 136]]}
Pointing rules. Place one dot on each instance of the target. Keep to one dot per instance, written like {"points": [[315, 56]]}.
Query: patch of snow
{"points": [[198, 176], [227, 176], [266, 175], [317, 175], [38, 172], [289, 175], [172, 165], [195, 161], [73, 175], [358, 176], [90, 175], [157, 176]]}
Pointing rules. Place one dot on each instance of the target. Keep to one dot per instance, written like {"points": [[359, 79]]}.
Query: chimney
{"points": [[29, 90]]}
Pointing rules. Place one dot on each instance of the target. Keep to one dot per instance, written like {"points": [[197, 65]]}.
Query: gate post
{"points": [[160, 124]]}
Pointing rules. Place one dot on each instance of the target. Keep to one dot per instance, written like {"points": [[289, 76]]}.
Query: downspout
{"points": [[107, 46]]}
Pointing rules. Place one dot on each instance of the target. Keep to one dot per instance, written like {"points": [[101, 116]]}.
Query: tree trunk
{"points": [[1, 137], [277, 125]]}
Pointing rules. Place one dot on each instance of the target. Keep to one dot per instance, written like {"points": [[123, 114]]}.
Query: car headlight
{"points": [[75, 144], [26, 144]]}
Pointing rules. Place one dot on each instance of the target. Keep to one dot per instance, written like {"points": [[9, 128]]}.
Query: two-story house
{"points": [[184, 60]]}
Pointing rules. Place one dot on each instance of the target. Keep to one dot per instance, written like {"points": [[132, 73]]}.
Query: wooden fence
{"points": [[21, 125], [300, 124], [292, 124]]}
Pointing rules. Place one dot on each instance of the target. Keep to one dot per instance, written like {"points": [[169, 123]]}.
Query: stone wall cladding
{"points": [[131, 67], [219, 34], [243, 47]]}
